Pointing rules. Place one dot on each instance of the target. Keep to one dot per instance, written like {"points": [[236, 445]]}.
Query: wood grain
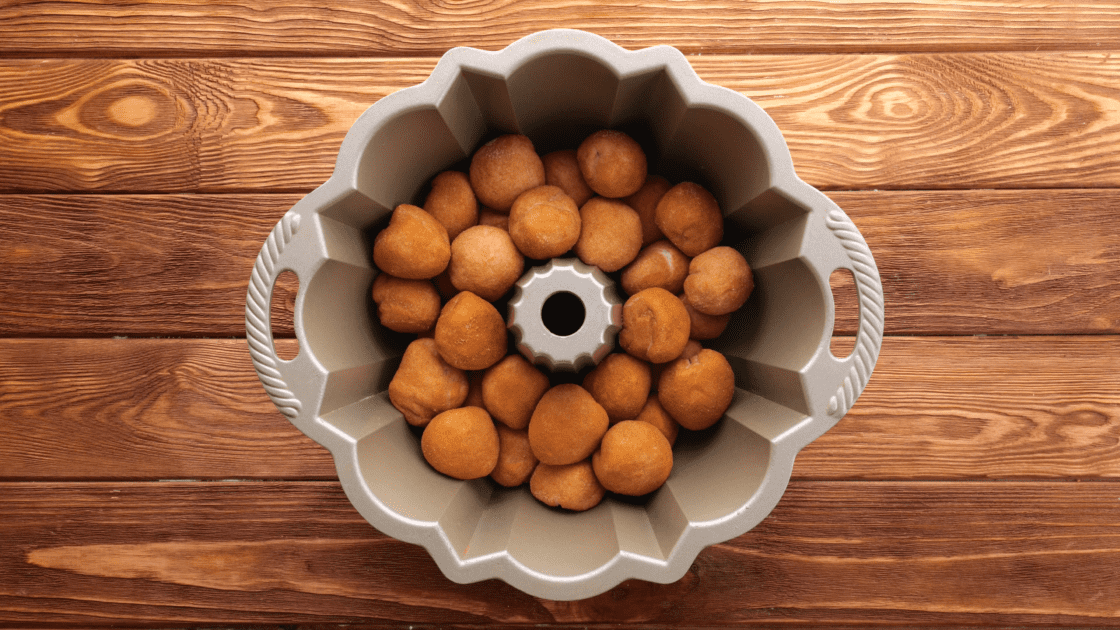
{"points": [[939, 121], [936, 409], [272, 27], [997, 553]]}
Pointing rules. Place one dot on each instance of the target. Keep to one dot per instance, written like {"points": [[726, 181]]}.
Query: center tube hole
{"points": [[563, 313]]}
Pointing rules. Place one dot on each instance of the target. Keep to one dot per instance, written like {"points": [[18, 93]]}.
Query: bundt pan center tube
{"points": [[556, 87]]}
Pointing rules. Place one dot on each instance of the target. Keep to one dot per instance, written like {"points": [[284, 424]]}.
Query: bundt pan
{"points": [[555, 87]]}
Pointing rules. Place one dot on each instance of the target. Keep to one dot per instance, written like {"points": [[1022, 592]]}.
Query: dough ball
{"points": [[689, 216], [511, 389], [461, 443], [562, 169], [515, 459], [489, 217], [544, 222], [610, 236], [571, 486], [470, 333], [644, 202], [407, 306], [414, 246], [655, 326], [702, 325], [658, 265], [485, 262], [425, 384], [634, 459], [612, 163], [620, 383], [691, 349], [504, 168], [444, 287], [567, 425], [696, 391], [653, 413], [474, 390], [451, 201], [719, 281]]}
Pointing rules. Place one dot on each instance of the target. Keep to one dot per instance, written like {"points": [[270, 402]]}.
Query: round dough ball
{"points": [[644, 202], [485, 262], [702, 325], [544, 222], [689, 216], [407, 306], [470, 333], [567, 425], [719, 281], [504, 168], [653, 413], [461, 443], [414, 246], [425, 384], [562, 169], [655, 326], [620, 383], [511, 389], [572, 486], [634, 459], [486, 216], [610, 236], [451, 201], [658, 265], [612, 163], [696, 391], [515, 459]]}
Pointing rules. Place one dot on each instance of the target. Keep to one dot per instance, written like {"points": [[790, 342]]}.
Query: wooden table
{"points": [[147, 147]]}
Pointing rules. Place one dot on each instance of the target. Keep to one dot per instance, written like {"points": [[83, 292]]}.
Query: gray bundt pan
{"points": [[556, 86]]}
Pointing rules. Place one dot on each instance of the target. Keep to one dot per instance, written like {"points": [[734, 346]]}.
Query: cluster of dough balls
{"points": [[485, 411]]}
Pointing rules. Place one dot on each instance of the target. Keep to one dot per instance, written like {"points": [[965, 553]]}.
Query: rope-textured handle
{"points": [[257, 321], [870, 290]]}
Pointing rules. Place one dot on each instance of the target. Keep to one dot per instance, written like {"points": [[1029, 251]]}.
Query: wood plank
{"points": [[270, 27], [904, 121], [935, 409], [867, 553]]}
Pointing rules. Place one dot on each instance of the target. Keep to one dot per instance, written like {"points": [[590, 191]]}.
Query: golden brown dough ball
{"points": [[474, 390], [567, 425], [425, 384], [644, 202], [414, 246], [696, 391], [634, 459], [572, 486], [407, 306], [485, 262], [719, 281], [511, 389], [561, 168], [451, 201], [444, 287], [470, 333], [612, 163], [702, 325], [654, 414], [610, 236], [620, 383], [461, 443], [544, 222], [515, 459], [689, 216], [660, 264], [655, 326], [504, 168], [486, 216]]}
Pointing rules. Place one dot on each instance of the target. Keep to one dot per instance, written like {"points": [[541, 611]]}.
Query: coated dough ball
{"points": [[567, 425], [504, 168], [425, 384], [515, 459], [702, 325], [544, 222], [610, 236], [719, 281], [451, 201], [470, 333], [620, 383], [658, 265], [511, 390], [612, 163], [654, 414], [655, 326], [644, 202], [634, 459], [414, 246], [407, 306], [689, 216], [486, 216], [696, 391], [572, 486], [461, 443], [485, 262], [562, 169]]}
